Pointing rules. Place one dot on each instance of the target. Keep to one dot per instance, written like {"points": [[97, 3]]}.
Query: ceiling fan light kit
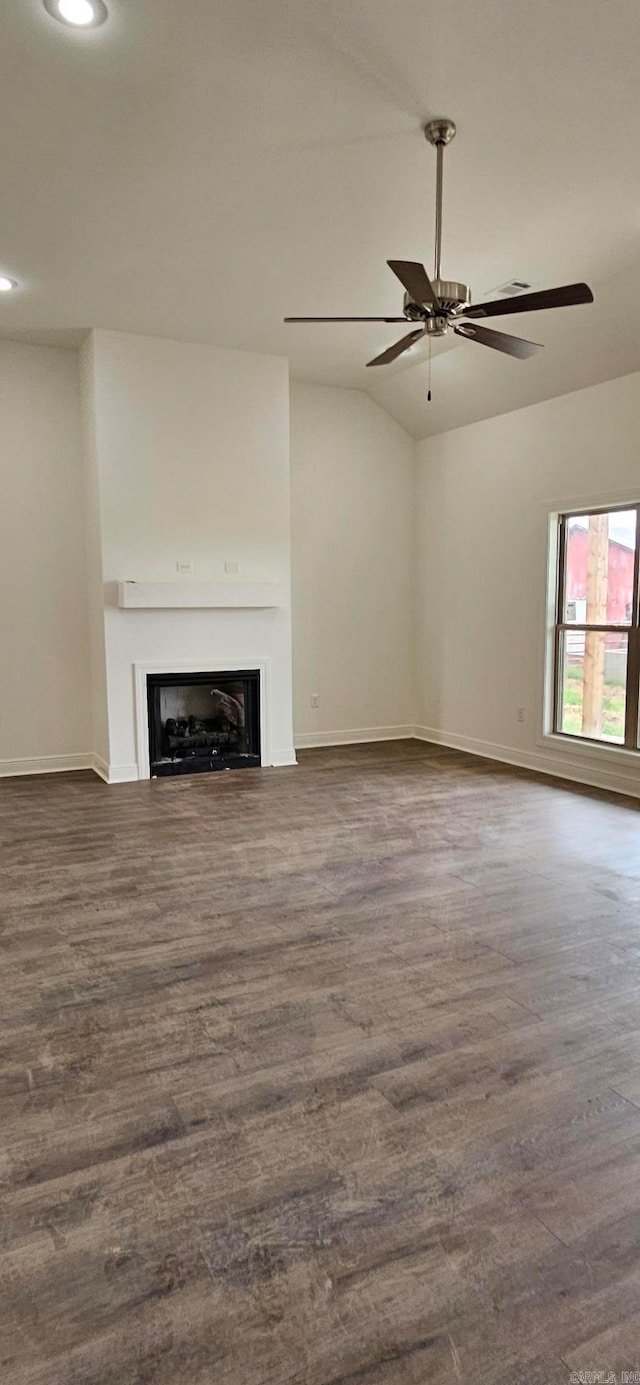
{"points": [[439, 305]]}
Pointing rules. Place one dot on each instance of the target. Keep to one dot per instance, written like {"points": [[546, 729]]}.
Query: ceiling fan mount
{"points": [[438, 305], [440, 131]]}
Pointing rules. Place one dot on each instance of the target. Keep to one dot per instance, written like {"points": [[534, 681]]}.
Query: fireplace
{"points": [[203, 721]]}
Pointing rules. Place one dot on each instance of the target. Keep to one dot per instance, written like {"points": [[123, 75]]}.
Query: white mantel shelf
{"points": [[202, 595]]}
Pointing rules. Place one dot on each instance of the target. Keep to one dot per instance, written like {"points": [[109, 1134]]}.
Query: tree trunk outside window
{"points": [[596, 614]]}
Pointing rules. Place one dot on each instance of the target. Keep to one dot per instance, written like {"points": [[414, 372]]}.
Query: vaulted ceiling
{"points": [[198, 170]]}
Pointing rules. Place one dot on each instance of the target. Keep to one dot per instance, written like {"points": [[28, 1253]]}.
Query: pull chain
{"points": [[429, 374]]}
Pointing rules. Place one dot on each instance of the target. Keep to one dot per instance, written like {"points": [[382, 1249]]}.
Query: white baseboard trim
{"points": [[114, 774], [312, 740], [123, 774], [62, 764], [100, 767], [280, 758], [45, 764], [560, 766]]}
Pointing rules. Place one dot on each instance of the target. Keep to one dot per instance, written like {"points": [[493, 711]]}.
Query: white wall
{"points": [[44, 694], [194, 459], [483, 496], [192, 453], [352, 495]]}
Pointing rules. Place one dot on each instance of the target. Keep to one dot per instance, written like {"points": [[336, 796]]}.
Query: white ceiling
{"points": [[198, 170]]}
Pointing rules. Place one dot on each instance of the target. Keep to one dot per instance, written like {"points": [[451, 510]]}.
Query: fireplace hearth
{"points": [[203, 721]]}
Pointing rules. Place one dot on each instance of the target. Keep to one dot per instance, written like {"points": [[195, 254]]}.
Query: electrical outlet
{"points": [[233, 567], [519, 713], [185, 566], [315, 699]]}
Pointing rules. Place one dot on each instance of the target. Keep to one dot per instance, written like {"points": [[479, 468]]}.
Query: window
{"points": [[597, 634]]}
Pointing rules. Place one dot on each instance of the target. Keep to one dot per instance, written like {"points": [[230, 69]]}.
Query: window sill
{"points": [[590, 750]]}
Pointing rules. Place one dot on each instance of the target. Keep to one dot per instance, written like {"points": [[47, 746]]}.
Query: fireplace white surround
{"points": [[187, 458], [138, 642]]}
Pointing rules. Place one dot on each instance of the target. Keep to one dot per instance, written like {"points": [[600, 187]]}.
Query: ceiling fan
{"points": [[438, 305]]}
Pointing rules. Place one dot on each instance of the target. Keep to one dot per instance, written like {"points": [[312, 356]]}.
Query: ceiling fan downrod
{"points": [[440, 133]]}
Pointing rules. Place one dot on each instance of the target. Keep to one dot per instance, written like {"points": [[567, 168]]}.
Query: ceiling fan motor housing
{"points": [[451, 294], [453, 298]]}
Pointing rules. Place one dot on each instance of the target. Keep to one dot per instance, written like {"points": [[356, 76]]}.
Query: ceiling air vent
{"points": [[510, 289]]}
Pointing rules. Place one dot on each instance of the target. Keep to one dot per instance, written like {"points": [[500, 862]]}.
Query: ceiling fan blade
{"points": [[563, 297], [414, 278], [500, 341], [398, 347], [345, 319]]}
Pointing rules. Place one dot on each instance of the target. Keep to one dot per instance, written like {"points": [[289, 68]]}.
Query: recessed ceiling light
{"points": [[7, 284], [80, 14]]}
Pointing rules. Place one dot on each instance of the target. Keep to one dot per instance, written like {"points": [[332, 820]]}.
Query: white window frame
{"points": [[575, 747]]}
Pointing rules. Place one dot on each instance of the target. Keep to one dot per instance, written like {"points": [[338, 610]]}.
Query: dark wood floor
{"points": [[328, 1075]]}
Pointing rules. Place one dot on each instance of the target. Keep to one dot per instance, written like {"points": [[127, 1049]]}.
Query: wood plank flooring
{"points": [[327, 1075]]}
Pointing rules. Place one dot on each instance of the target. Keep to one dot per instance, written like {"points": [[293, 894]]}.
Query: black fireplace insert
{"points": [[203, 721]]}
